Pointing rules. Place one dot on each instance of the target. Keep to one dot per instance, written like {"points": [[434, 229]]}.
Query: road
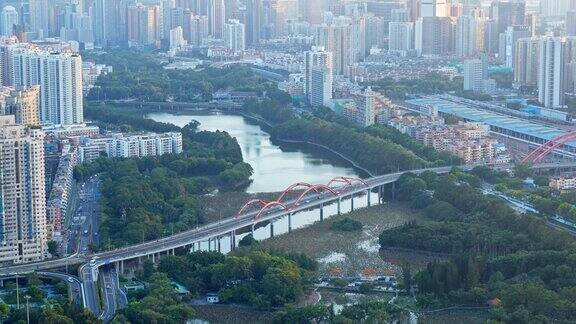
{"points": [[75, 286], [114, 297], [85, 223], [91, 299], [520, 206]]}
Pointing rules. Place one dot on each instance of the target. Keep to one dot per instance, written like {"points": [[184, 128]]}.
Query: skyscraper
{"points": [[570, 21], [234, 36], [8, 19], [508, 13], [23, 104], [433, 35], [551, 72], [22, 193], [59, 76], [401, 36], [318, 76], [253, 21], [216, 18], [509, 40], [527, 62], [435, 8]]}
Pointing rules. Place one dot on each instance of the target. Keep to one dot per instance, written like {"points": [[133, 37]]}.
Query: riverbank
{"points": [[349, 253]]}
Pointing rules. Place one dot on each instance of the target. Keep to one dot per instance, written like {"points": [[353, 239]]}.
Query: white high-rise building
{"points": [[401, 36], [235, 36], [551, 72], [177, 38], [22, 193], [320, 86], [473, 75], [435, 8], [8, 19], [59, 76], [317, 57]]}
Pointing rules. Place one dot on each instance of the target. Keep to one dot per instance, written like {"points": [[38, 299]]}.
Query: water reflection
{"points": [[275, 167]]}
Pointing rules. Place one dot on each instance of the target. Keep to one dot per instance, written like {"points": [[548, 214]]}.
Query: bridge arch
{"points": [[268, 206], [292, 188], [251, 203], [348, 180], [547, 148], [316, 188]]}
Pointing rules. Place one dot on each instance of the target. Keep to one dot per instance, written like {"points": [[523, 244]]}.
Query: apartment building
{"points": [[22, 193]]}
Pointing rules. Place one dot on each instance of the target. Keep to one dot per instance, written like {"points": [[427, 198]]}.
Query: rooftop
{"points": [[493, 119]]}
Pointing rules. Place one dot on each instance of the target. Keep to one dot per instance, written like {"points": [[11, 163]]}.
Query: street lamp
{"points": [[27, 309]]}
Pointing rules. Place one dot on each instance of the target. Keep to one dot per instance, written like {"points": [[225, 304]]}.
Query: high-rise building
{"points": [[318, 75], [551, 72], [570, 21], [508, 13], [508, 42], [109, 22], [320, 86], [59, 76], [39, 23], [23, 104], [234, 36], [530, 21], [216, 18], [253, 21], [375, 32], [8, 19], [198, 30], [337, 39], [401, 36], [177, 38], [22, 194], [365, 112], [556, 8], [435, 8], [474, 75], [470, 34], [527, 62], [433, 36], [144, 25], [313, 12]]}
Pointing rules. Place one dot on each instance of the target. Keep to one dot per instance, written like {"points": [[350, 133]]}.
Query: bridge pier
{"points": [[232, 240], [352, 203], [338, 204], [153, 258], [121, 267], [289, 222], [368, 193], [393, 190], [219, 247], [321, 212], [209, 245], [252, 230], [271, 228]]}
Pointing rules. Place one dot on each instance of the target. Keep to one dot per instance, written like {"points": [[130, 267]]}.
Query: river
{"points": [[275, 167]]}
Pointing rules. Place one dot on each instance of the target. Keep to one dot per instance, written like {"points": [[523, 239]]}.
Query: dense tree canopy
{"points": [[147, 198], [143, 77], [494, 253]]}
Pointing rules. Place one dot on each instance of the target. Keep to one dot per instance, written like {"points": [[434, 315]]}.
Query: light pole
{"points": [[27, 309], [17, 294]]}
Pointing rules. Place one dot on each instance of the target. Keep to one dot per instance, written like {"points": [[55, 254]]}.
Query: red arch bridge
{"points": [[554, 145]]}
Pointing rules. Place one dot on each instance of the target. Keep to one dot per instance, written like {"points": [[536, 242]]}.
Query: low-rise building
{"points": [[130, 145], [563, 183]]}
